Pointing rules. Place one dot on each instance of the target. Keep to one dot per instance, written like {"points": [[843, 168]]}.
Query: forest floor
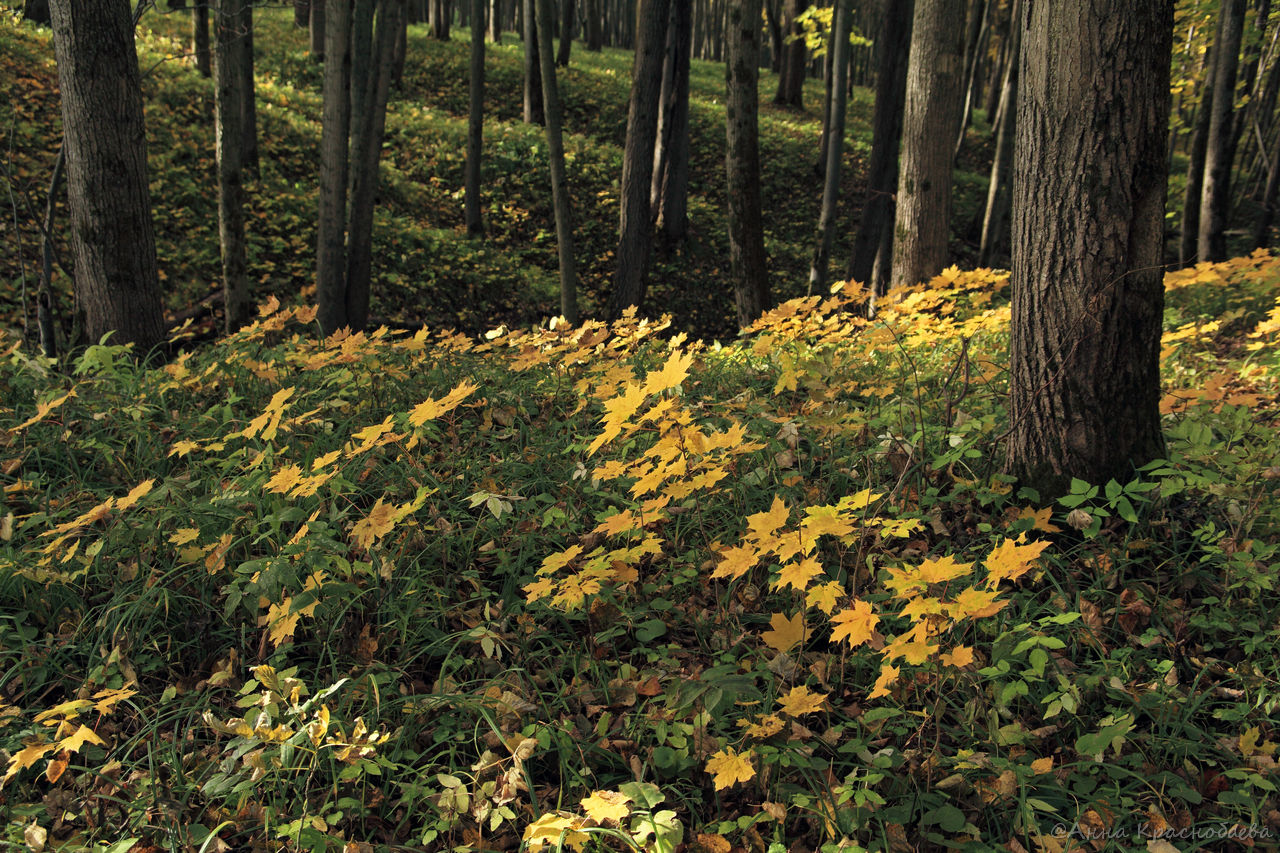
{"points": [[609, 588]]}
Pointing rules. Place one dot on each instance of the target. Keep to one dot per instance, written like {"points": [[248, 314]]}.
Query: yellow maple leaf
{"points": [[376, 524], [617, 412], [555, 562], [1042, 765], [1040, 519], [105, 700], [824, 521], [184, 535], [735, 562], [26, 757], [182, 448], [729, 767], [824, 596], [325, 460], [1011, 560], [888, 676], [943, 569], [606, 806], [284, 479], [798, 575], [915, 652], [763, 525], [976, 604], [670, 375], [43, 410], [785, 632], [78, 738], [855, 625], [430, 409], [766, 727], [801, 700], [960, 656], [556, 830]]}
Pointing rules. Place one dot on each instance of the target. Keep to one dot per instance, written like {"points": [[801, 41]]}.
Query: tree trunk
{"points": [[635, 228], [248, 89], [882, 172], [475, 121], [366, 152], [1088, 219], [1187, 249], [200, 37], [670, 192], [1215, 195], [555, 151], [36, 11], [533, 111], [402, 49], [302, 13], [922, 224], [595, 32], [318, 9], [974, 46], [335, 135], [747, 263], [566, 33], [995, 219], [794, 58], [112, 241], [1262, 230], [495, 21], [835, 147], [229, 111]]}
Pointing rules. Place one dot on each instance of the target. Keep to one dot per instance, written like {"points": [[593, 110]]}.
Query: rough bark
{"points": [[1088, 217], [366, 152], [876, 223], [922, 223], [747, 264], [995, 218], [794, 58], [635, 230], [835, 147], [335, 134], [229, 96], [533, 110], [475, 121], [566, 33], [670, 192], [555, 150], [1215, 195], [112, 241]]}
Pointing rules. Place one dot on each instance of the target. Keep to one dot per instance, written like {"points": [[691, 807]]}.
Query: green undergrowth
{"points": [[605, 588]]}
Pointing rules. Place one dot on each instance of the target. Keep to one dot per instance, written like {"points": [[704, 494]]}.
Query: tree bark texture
{"points": [[566, 33], [249, 90], [794, 57], [1088, 215], [1215, 194], [747, 264], [635, 228], [555, 151], [200, 37], [882, 172], [229, 96], [335, 134], [922, 224], [670, 191], [112, 241], [475, 121]]}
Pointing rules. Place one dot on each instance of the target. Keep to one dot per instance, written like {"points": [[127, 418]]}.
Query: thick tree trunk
{"points": [[318, 9], [995, 219], [229, 96], [366, 152], [1088, 218], [200, 37], [555, 151], [670, 192], [112, 241], [335, 135], [635, 228], [835, 148], [747, 263], [533, 111], [922, 224], [794, 58], [475, 121], [566, 33], [1215, 195], [875, 229]]}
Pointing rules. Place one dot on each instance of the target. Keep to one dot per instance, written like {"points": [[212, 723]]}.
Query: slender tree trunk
{"points": [[794, 58], [1262, 230], [876, 226], [973, 50], [747, 263], [318, 9], [495, 21], [533, 111], [1187, 249], [566, 32], [475, 121], [1088, 230], [229, 111], [200, 37], [922, 225], [402, 50], [36, 11], [112, 241], [1215, 195], [248, 89], [635, 228], [555, 151], [995, 219], [595, 32], [302, 13], [835, 148], [331, 254], [777, 43], [670, 193]]}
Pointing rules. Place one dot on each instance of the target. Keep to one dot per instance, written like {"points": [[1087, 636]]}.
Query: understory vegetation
{"points": [[610, 587]]}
